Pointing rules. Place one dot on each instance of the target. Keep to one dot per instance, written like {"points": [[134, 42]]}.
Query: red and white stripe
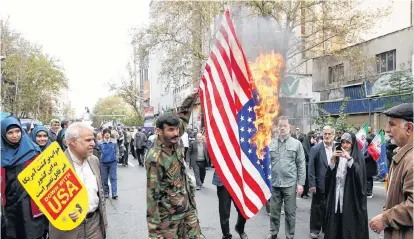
{"points": [[224, 89]]}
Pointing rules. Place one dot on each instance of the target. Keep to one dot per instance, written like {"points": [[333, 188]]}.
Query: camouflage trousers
{"points": [[188, 227]]}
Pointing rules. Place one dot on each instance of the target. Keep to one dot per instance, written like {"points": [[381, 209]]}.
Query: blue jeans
{"points": [[109, 169]]}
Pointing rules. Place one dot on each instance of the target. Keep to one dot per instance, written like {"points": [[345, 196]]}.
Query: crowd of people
{"points": [[331, 169]]}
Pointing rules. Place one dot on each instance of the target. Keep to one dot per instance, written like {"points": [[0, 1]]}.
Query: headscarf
{"points": [[16, 154], [35, 131], [356, 153], [60, 137]]}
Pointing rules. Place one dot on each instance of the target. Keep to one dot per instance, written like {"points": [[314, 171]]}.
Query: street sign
{"points": [[54, 186]]}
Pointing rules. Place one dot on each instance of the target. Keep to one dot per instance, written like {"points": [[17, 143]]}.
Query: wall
{"points": [[401, 41], [160, 95], [378, 121]]}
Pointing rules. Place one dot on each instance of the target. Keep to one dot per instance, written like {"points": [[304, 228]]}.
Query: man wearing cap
{"points": [[396, 218]]}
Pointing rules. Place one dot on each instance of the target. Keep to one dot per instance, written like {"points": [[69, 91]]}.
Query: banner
{"points": [[54, 186], [149, 116]]}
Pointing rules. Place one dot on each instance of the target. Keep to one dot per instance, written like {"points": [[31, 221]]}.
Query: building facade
{"points": [[367, 84]]}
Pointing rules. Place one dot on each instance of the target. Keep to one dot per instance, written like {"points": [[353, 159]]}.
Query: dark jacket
{"points": [[370, 165], [18, 207], [192, 153], [353, 222], [140, 140], [390, 152], [318, 165], [109, 150], [307, 145], [53, 136]]}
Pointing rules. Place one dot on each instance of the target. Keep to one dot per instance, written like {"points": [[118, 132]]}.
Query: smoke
{"points": [[258, 34]]}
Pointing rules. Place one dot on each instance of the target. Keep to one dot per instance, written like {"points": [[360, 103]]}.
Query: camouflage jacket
{"points": [[170, 191]]}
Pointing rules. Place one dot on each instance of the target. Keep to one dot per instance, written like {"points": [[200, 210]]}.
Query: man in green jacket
{"points": [[171, 207]]}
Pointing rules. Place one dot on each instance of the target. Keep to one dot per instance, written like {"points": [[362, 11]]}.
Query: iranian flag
{"points": [[361, 136], [374, 148]]}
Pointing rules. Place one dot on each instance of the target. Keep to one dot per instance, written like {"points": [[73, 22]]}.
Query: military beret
{"points": [[402, 111]]}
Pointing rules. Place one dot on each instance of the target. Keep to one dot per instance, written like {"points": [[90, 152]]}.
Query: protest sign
{"points": [[54, 186]]}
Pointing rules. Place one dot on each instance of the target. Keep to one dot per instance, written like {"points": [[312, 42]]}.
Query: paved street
{"points": [[127, 220]]}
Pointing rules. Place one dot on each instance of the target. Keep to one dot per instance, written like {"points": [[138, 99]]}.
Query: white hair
{"points": [[73, 131], [328, 127], [403, 122]]}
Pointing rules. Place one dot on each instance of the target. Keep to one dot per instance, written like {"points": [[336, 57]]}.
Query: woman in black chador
{"points": [[346, 203]]}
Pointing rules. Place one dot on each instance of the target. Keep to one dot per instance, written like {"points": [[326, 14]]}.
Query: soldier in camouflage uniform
{"points": [[171, 207]]}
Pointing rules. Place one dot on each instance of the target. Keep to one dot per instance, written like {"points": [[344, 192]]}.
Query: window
{"points": [[336, 73], [386, 62]]}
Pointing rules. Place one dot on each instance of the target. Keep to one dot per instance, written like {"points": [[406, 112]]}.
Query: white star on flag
{"points": [[269, 177], [230, 111]]}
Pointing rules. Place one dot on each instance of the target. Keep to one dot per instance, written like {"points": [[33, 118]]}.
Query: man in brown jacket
{"points": [[81, 143], [397, 217]]}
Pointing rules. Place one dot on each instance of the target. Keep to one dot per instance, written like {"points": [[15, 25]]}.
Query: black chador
{"points": [[352, 223]]}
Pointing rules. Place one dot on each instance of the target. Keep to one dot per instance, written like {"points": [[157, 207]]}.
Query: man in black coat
{"points": [[371, 168], [199, 159], [308, 142], [318, 165], [140, 142]]}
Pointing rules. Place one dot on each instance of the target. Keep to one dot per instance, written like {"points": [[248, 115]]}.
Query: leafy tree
{"points": [[31, 80], [181, 30], [113, 108], [132, 120], [326, 27], [339, 123], [399, 82]]}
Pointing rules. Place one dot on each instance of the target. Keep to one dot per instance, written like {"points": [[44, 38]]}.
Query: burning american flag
{"points": [[238, 121]]}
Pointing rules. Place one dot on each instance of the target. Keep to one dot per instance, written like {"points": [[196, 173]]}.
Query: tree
{"points": [[321, 23], [182, 30], [399, 82], [339, 123], [132, 120], [127, 90], [113, 108], [326, 27], [31, 80]]}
